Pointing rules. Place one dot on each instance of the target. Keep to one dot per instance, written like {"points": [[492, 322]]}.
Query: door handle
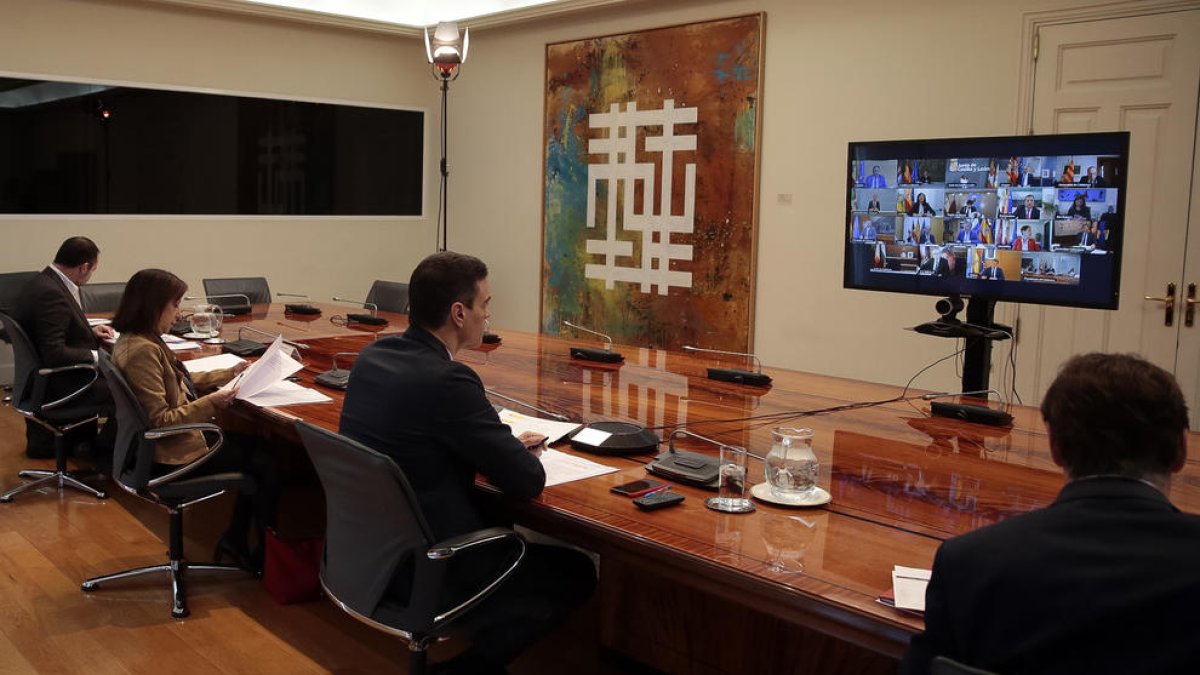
{"points": [[1169, 301], [1189, 306]]}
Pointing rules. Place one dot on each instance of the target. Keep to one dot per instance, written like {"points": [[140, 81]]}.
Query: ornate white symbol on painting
{"points": [[621, 176]]}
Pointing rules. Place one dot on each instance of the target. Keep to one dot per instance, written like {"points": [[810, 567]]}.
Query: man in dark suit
{"points": [[1028, 210], [50, 312], [1110, 564], [410, 399]]}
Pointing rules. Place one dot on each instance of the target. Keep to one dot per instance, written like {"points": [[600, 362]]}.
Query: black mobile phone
{"points": [[638, 487], [658, 500]]}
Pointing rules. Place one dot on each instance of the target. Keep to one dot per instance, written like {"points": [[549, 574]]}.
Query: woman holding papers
{"points": [[170, 395]]}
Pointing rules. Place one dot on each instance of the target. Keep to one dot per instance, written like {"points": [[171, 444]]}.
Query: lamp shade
{"points": [[447, 49]]}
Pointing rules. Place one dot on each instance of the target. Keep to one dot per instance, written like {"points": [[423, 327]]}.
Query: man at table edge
{"points": [[1106, 578], [50, 310], [410, 399]]}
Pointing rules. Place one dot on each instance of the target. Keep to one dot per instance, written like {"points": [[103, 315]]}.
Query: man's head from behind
{"points": [[1116, 414], [440, 281], [78, 258]]}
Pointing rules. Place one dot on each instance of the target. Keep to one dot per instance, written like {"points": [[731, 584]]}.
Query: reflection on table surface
{"points": [[901, 480]]}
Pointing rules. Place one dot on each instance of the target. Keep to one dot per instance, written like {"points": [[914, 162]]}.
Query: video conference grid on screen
{"points": [[1011, 220]]}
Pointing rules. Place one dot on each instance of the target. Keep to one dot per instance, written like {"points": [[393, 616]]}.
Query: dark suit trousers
{"points": [[550, 582]]}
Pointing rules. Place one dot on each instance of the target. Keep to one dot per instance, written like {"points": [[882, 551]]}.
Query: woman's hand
{"points": [[223, 398]]}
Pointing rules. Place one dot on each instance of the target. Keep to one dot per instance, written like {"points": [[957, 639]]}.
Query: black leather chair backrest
{"points": [[133, 455], [101, 297], [373, 524], [389, 296], [255, 288], [11, 284], [26, 396]]}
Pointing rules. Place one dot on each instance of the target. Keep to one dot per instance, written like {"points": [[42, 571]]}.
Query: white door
{"points": [[1140, 74]]}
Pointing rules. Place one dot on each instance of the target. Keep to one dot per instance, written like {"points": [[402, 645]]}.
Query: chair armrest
{"points": [[445, 550], [49, 372], [176, 430]]}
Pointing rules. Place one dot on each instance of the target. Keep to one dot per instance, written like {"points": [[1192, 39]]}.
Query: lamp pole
{"points": [[446, 51], [444, 225]]}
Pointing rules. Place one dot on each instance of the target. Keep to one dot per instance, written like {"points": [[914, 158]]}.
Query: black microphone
{"points": [[979, 414], [560, 418], [302, 308], [684, 466], [606, 355], [736, 375], [232, 310], [335, 377], [372, 319], [246, 347]]}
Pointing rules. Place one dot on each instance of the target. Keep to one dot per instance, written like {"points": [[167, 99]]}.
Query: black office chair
{"points": [[11, 284], [255, 289], [389, 296], [101, 297], [373, 525], [943, 665], [31, 385], [175, 491]]}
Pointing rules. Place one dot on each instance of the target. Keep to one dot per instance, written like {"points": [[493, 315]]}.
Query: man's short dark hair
{"points": [[1115, 414], [77, 251], [438, 282]]}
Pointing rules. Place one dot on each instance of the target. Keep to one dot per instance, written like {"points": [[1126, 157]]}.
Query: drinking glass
{"points": [[791, 465], [732, 491]]}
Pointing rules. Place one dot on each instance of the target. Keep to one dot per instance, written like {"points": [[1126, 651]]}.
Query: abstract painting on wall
{"points": [[651, 184]]}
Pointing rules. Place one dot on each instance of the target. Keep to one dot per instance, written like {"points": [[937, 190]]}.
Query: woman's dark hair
{"points": [[1115, 414], [146, 296], [438, 282]]}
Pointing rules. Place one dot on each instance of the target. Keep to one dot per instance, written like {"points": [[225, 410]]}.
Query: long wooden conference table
{"points": [[688, 589]]}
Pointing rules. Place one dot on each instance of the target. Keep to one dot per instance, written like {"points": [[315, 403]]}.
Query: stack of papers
{"points": [[552, 430], [908, 589], [263, 383], [560, 467]]}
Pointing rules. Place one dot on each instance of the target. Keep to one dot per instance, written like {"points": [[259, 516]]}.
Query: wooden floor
{"points": [[50, 542]]}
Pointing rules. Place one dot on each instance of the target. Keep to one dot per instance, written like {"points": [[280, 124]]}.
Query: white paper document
{"points": [[270, 369], [563, 468], [183, 345], [908, 587], [284, 393], [553, 431], [216, 362]]}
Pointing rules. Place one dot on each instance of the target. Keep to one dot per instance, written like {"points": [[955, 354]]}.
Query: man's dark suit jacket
{"points": [[1032, 214], [410, 401], [55, 322], [1104, 580]]}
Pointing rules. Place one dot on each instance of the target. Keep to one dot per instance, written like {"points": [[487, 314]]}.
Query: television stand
{"points": [[979, 331]]}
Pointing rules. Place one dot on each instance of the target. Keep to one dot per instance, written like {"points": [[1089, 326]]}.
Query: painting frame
{"points": [[650, 193]]}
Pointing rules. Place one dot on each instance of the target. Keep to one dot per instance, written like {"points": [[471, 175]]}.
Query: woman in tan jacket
{"points": [[169, 395]]}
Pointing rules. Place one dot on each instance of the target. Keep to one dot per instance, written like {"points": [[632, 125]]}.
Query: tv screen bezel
{"points": [[1103, 143]]}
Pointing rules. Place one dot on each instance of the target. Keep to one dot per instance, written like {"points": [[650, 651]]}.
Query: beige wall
{"points": [[145, 44], [834, 72]]}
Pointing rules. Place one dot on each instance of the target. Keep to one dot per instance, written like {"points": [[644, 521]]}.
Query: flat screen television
{"points": [[1032, 219]]}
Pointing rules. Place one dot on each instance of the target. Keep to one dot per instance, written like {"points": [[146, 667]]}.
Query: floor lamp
{"points": [[446, 52]]}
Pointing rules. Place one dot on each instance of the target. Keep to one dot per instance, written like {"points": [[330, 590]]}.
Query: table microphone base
{"points": [[624, 438], [738, 376], [599, 355]]}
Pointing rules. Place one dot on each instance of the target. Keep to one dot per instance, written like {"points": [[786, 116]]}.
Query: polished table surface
{"points": [[901, 480]]}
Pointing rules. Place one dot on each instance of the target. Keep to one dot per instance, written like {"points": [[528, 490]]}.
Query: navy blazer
{"points": [[1104, 580], [409, 400], [55, 323]]}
